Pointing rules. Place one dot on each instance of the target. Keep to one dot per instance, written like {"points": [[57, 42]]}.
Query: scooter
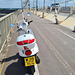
{"points": [[28, 47]]}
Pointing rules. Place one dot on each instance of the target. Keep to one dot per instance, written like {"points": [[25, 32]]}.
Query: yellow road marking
{"points": [[4, 61]]}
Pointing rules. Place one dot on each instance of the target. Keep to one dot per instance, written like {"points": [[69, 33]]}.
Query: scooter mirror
{"points": [[31, 20], [28, 14], [11, 25]]}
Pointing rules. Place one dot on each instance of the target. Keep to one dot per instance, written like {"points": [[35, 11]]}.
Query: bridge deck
{"points": [[57, 49]]}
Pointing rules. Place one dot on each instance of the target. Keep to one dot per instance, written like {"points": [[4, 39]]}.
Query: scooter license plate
{"points": [[29, 61]]}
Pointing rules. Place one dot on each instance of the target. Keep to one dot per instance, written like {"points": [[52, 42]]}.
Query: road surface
{"points": [[57, 49]]}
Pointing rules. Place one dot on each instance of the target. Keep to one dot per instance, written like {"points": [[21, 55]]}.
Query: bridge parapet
{"points": [[5, 27], [68, 9]]}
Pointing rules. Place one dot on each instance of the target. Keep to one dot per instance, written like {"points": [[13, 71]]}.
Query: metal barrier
{"points": [[5, 27], [69, 9]]}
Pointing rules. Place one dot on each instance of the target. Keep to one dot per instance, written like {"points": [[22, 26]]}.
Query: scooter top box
{"points": [[26, 40]]}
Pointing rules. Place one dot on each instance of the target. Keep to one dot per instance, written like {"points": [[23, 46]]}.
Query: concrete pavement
{"points": [[62, 18]]}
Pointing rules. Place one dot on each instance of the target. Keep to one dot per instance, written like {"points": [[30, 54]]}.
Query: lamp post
{"points": [[65, 4], [36, 5], [33, 6], [29, 5], [43, 9], [22, 5]]}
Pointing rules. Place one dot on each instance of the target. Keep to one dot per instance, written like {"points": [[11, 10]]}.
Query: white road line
{"points": [[57, 54], [36, 70], [66, 34]]}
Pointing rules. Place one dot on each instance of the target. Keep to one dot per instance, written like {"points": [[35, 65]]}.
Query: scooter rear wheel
{"points": [[30, 70]]}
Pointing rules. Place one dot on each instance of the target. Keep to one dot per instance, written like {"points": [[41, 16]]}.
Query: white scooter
{"points": [[27, 45]]}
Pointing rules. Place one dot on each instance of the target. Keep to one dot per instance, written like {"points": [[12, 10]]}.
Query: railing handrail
{"points": [[5, 27]]}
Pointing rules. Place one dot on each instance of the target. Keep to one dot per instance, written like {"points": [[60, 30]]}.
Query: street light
{"points": [[33, 6], [22, 5], [43, 9], [65, 3], [29, 5], [36, 5]]}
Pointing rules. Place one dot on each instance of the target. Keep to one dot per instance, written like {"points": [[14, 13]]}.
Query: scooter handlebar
{"points": [[30, 21], [19, 29]]}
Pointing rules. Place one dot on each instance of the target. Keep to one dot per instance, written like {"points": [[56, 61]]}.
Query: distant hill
{"points": [[7, 11], [4, 12]]}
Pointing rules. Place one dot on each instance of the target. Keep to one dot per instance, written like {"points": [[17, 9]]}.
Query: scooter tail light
{"points": [[20, 43], [25, 42], [28, 52], [31, 41]]}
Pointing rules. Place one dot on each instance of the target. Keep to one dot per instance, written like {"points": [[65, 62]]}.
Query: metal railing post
{"points": [[71, 10]]}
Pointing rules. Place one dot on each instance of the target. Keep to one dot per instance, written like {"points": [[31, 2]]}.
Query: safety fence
{"points": [[68, 9], [5, 27]]}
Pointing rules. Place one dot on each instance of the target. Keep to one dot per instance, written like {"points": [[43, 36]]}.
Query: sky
{"points": [[17, 3]]}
